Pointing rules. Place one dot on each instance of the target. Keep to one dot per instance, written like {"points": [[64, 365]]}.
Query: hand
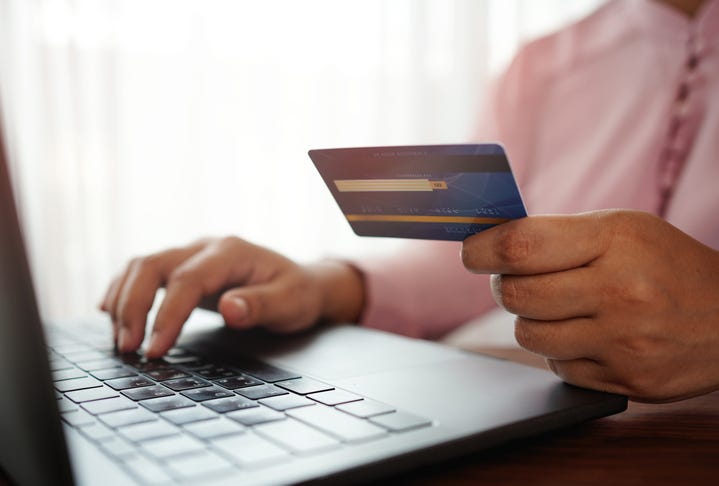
{"points": [[619, 301], [248, 284]]}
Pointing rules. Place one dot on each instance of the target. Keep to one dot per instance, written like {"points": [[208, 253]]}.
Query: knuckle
{"points": [[229, 242], [628, 225], [637, 347], [634, 291], [148, 263], [513, 246], [182, 276]]}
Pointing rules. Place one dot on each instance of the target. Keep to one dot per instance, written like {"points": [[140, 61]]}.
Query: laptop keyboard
{"points": [[182, 418]]}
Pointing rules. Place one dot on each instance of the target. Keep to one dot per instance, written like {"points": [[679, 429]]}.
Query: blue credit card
{"points": [[433, 192]]}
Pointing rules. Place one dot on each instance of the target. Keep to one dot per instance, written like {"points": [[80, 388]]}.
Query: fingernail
{"points": [[240, 306], [239, 313]]}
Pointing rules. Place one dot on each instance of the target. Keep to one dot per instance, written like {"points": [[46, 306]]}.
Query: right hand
{"points": [[248, 284]]}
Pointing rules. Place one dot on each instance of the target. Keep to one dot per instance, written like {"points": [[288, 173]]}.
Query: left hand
{"points": [[619, 301]]}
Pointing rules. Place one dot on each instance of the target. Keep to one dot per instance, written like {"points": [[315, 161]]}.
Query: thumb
{"points": [[234, 308], [245, 307]]}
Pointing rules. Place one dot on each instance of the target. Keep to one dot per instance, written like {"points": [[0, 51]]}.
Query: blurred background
{"points": [[134, 125]]}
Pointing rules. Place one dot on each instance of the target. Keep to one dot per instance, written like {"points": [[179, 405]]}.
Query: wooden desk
{"points": [[676, 443]]}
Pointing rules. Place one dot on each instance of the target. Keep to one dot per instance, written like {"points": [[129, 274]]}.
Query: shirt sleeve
{"points": [[423, 290]]}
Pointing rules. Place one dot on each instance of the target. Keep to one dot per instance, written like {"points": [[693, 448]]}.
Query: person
{"points": [[619, 110]]}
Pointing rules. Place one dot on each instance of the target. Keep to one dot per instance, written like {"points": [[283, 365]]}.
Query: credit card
{"points": [[432, 192]]}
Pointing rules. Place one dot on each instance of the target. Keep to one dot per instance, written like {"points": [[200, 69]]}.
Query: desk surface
{"points": [[676, 443]]}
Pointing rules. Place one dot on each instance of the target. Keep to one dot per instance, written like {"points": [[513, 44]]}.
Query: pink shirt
{"points": [[610, 112]]}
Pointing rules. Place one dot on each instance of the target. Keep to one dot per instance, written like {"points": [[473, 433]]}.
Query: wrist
{"points": [[342, 290]]}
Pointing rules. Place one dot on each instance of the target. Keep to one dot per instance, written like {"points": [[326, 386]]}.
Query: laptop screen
{"points": [[32, 449]]}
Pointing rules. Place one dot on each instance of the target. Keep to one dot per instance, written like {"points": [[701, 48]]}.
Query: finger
{"points": [[587, 374], [537, 244], [204, 274], [109, 295], [265, 304], [104, 305], [136, 297], [144, 277], [111, 300], [550, 296], [566, 340]]}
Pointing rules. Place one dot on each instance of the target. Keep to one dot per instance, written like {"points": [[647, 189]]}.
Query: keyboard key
{"points": [[254, 416], [166, 374], [129, 382], [334, 397], [69, 346], [146, 471], [112, 373], [131, 358], [199, 465], [194, 365], [211, 429], [109, 405], [261, 391], [286, 402], [90, 394], [297, 437], [77, 384], [181, 360], [209, 393], [224, 405], [304, 386], [215, 372], [98, 432], [65, 405], [147, 431], [235, 382], [400, 421], [167, 403], [78, 418], [59, 364], [186, 383], [250, 450], [189, 415], [172, 446], [177, 352], [143, 365], [68, 374], [127, 417], [79, 356], [118, 448], [99, 364], [366, 408], [338, 424], [266, 372], [147, 392]]}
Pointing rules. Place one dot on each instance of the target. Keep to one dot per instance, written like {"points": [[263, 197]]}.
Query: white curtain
{"points": [[139, 124]]}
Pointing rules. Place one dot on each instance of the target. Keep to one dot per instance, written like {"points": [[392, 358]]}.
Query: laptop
{"points": [[335, 404]]}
